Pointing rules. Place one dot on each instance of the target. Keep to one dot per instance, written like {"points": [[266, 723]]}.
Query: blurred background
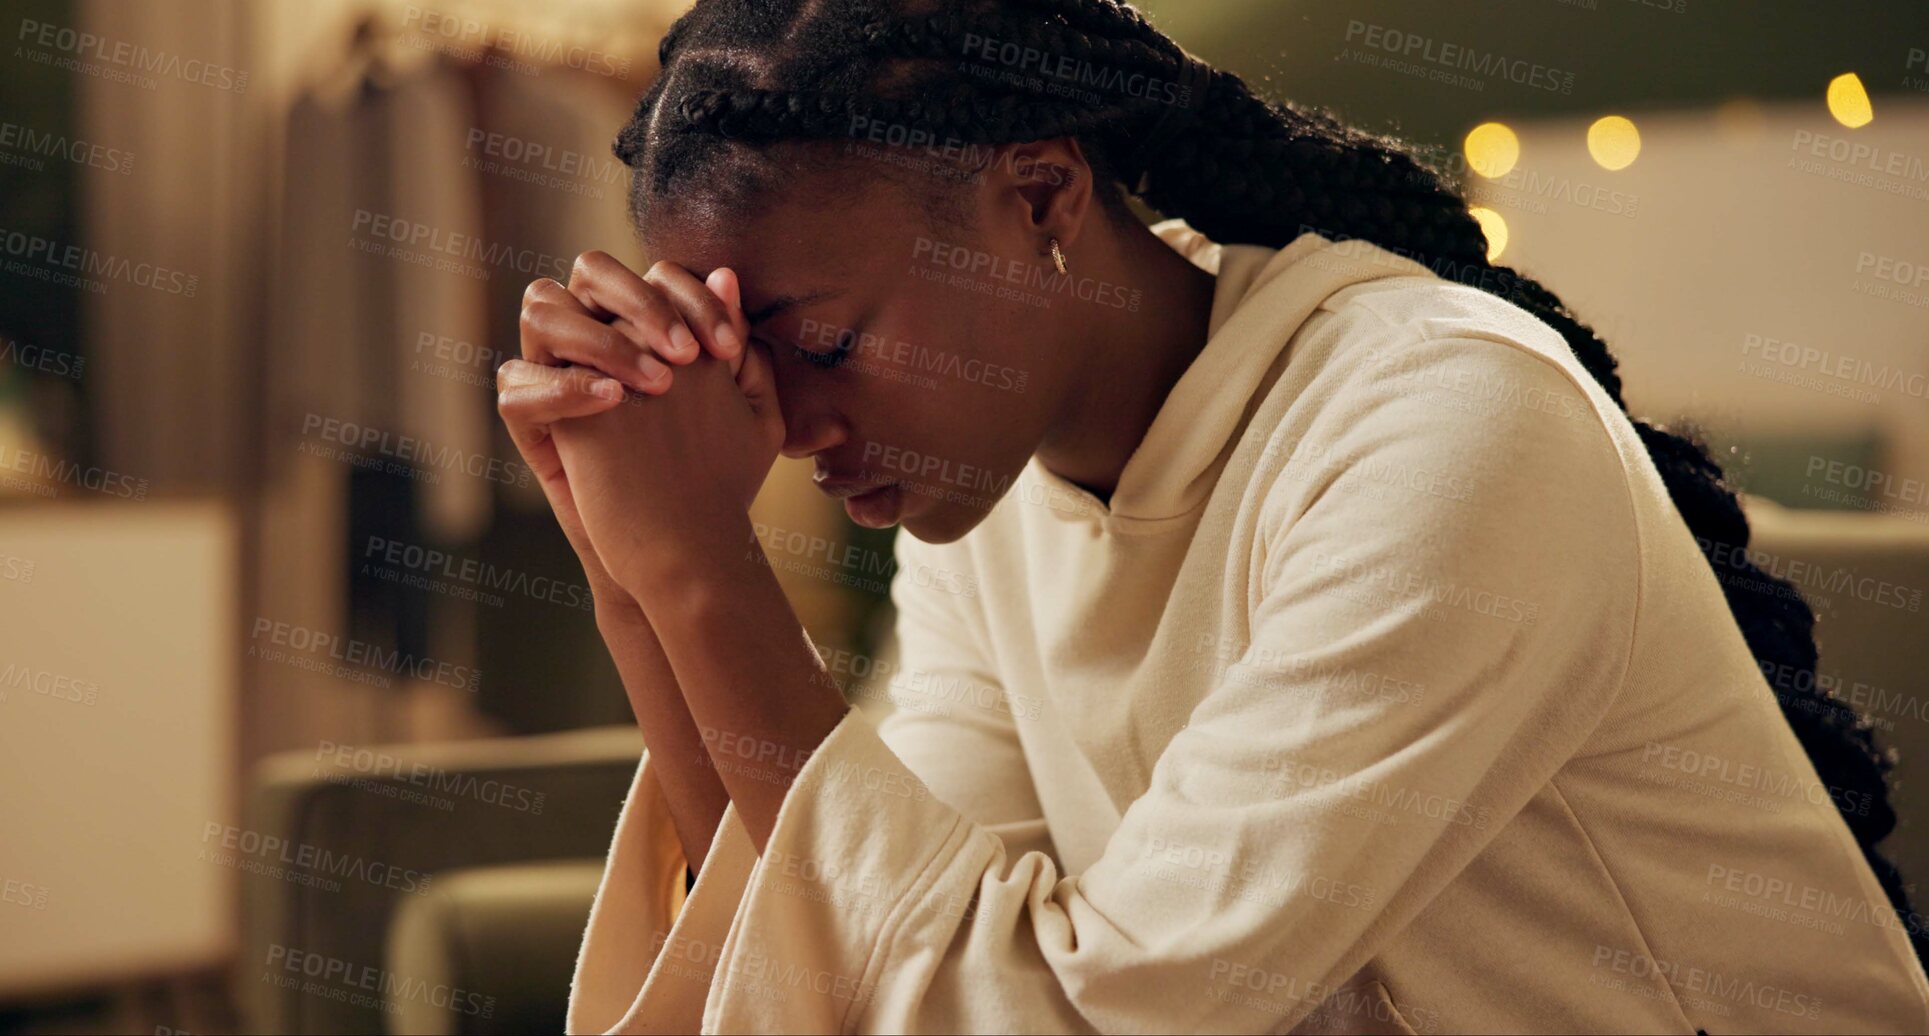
{"points": [[304, 722]]}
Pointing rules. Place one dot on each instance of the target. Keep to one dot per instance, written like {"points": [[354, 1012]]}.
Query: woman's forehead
{"points": [[789, 249]]}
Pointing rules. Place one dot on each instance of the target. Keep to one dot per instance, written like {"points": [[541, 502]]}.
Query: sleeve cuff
{"points": [[653, 940], [860, 851]]}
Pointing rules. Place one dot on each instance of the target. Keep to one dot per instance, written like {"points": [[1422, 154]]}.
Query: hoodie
{"points": [[1388, 693]]}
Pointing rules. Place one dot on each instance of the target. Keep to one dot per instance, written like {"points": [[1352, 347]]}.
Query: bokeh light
{"points": [[1492, 149], [1614, 142], [1494, 227], [1849, 102]]}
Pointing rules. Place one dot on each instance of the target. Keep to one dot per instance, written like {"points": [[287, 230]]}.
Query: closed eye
{"points": [[837, 354]]}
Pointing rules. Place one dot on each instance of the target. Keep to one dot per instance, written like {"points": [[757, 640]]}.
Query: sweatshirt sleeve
{"points": [[951, 720], [649, 951], [649, 958], [1420, 663]]}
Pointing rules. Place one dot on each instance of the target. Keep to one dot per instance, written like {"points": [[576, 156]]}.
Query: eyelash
{"points": [[842, 351]]}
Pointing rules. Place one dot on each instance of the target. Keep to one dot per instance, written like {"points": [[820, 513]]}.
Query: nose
{"points": [[806, 434]]}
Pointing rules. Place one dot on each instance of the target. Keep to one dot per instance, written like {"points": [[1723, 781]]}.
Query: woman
{"points": [[1296, 634]]}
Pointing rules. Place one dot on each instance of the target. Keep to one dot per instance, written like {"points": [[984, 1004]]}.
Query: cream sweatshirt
{"points": [[1389, 694]]}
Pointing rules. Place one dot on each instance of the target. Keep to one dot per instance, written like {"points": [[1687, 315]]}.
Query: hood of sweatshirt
{"points": [[1261, 299]]}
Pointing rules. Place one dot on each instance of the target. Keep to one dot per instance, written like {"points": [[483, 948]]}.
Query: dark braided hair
{"points": [[746, 81]]}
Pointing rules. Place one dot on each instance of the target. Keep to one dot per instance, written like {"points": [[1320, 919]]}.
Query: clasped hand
{"points": [[648, 417]]}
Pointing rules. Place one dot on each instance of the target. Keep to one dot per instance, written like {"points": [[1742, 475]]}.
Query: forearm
{"points": [[678, 757], [753, 683]]}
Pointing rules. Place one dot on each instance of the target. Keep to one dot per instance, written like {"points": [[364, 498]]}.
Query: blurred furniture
{"points": [[420, 838], [508, 933], [1867, 577], [505, 909], [118, 673]]}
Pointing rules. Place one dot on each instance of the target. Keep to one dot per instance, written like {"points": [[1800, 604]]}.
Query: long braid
{"points": [[741, 75]]}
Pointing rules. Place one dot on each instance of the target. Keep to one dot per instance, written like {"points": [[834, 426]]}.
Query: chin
{"points": [[942, 522]]}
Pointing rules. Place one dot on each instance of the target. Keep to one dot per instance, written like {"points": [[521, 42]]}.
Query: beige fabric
{"points": [[1390, 694]]}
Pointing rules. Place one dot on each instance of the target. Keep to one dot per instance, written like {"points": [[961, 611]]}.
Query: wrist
{"points": [[616, 610], [715, 555]]}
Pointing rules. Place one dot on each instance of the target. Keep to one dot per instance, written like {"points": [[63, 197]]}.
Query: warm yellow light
{"points": [[1492, 149], [1614, 142], [1494, 227], [1848, 101]]}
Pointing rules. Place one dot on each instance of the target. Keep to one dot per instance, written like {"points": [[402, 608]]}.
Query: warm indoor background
{"points": [[304, 722]]}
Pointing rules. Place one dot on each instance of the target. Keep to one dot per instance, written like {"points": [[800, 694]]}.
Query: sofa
{"points": [[487, 943]]}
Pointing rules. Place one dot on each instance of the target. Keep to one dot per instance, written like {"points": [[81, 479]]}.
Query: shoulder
{"points": [[1417, 356], [1421, 406]]}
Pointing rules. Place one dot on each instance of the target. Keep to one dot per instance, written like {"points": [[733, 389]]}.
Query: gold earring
{"points": [[1058, 258]]}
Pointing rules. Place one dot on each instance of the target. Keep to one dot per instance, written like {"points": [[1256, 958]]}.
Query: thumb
{"points": [[757, 380], [723, 283]]}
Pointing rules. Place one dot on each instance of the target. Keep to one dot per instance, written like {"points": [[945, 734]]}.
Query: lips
{"points": [[869, 502], [844, 487]]}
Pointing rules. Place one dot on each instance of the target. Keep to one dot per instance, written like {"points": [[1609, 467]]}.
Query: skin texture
{"points": [[653, 484], [1094, 373]]}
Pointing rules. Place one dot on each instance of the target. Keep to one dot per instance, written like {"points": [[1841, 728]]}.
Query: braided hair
{"points": [[743, 80]]}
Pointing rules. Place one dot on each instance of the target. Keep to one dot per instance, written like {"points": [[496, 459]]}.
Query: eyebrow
{"points": [[785, 303]]}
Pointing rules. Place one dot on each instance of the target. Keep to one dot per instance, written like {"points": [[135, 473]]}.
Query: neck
{"points": [[1125, 362]]}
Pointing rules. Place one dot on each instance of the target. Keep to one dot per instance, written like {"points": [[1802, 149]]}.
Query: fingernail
{"points": [[653, 369], [607, 388], [728, 341], [682, 340]]}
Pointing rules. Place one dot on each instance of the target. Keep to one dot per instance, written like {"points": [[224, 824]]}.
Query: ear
{"points": [[1048, 183]]}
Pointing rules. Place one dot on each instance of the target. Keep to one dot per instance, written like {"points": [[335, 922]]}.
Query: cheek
{"points": [[947, 431]]}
